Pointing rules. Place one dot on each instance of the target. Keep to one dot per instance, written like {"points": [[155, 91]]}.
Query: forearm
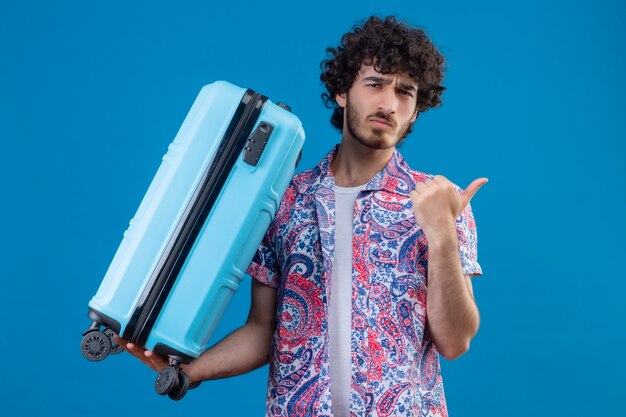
{"points": [[244, 350], [452, 314]]}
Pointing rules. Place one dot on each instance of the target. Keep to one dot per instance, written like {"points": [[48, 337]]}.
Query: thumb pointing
{"points": [[467, 194]]}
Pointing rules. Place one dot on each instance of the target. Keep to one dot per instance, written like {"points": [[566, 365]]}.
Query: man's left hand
{"points": [[437, 204]]}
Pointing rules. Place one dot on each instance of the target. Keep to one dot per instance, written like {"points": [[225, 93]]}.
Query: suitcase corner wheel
{"points": [[97, 344], [173, 382]]}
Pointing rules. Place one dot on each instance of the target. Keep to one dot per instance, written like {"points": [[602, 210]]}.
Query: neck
{"points": [[355, 164]]}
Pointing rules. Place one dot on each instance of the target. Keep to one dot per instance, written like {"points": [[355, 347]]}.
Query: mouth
{"points": [[380, 122]]}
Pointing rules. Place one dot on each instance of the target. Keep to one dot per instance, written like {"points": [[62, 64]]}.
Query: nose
{"points": [[388, 100]]}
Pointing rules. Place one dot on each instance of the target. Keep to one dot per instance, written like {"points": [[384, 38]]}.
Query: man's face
{"points": [[379, 108]]}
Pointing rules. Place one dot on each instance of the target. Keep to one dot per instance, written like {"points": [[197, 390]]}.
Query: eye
{"points": [[374, 85], [406, 93]]}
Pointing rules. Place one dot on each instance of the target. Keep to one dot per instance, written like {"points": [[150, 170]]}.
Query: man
{"points": [[364, 275]]}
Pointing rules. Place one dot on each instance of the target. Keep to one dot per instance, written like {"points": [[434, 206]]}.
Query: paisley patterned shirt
{"points": [[395, 365]]}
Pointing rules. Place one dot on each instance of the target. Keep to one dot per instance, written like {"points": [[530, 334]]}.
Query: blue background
{"points": [[91, 94]]}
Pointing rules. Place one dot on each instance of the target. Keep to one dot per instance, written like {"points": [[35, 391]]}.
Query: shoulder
{"points": [[303, 181], [298, 186], [414, 176]]}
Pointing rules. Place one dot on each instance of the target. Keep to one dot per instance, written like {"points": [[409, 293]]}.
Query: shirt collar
{"points": [[395, 177]]}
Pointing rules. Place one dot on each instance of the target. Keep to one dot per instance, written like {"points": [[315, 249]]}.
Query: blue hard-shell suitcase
{"points": [[196, 230]]}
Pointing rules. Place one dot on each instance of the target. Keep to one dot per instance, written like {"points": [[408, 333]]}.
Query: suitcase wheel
{"points": [[115, 347], [173, 382], [180, 391], [95, 345], [167, 380]]}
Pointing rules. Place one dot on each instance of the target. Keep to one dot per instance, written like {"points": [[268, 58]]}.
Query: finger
{"points": [[442, 181], [420, 187], [429, 182], [467, 194], [138, 352], [149, 358], [144, 357], [124, 344], [119, 340], [133, 349], [157, 361]]}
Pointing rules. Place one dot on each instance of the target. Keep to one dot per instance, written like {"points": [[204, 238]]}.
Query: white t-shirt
{"points": [[340, 306]]}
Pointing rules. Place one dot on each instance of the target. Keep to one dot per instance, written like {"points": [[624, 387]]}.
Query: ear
{"points": [[341, 100]]}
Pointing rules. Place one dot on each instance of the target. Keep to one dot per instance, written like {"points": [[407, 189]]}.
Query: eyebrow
{"points": [[387, 81]]}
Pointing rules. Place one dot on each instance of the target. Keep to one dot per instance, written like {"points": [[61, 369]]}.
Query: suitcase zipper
{"points": [[171, 261]]}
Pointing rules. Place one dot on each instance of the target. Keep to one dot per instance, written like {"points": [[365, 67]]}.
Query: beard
{"points": [[376, 139]]}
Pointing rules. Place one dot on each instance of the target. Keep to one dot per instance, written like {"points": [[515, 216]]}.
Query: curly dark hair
{"points": [[391, 46]]}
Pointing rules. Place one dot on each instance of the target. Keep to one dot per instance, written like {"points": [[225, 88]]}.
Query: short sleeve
{"points": [[468, 242], [264, 266]]}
